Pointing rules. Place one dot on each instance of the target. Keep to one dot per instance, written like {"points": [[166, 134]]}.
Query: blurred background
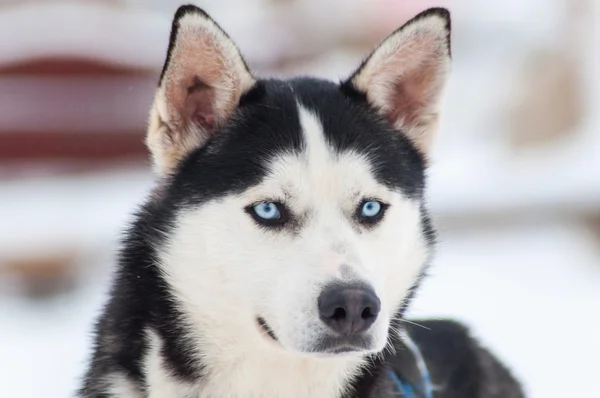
{"points": [[514, 186]]}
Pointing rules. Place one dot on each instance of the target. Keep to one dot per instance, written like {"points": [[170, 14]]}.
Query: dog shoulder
{"points": [[458, 364]]}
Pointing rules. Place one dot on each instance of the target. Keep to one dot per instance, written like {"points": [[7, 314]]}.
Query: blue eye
{"points": [[371, 211], [267, 211]]}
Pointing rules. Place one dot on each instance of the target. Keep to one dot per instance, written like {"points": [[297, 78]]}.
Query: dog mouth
{"points": [[326, 346], [343, 345], [264, 327]]}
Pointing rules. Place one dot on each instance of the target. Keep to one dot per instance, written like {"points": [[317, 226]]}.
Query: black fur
{"points": [[265, 124], [459, 367], [350, 124]]}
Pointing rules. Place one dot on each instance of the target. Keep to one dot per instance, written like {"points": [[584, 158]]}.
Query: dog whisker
{"points": [[411, 323]]}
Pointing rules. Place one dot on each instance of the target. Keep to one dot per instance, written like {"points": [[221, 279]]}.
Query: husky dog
{"points": [[287, 234]]}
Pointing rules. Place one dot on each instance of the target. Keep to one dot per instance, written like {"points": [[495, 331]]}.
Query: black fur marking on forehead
{"points": [[350, 124], [265, 125]]}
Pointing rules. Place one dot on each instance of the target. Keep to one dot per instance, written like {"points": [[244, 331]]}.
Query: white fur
{"points": [[120, 386], [159, 382], [225, 271]]}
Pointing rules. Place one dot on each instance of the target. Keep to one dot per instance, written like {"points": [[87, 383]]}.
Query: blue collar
{"points": [[401, 385], [406, 389]]}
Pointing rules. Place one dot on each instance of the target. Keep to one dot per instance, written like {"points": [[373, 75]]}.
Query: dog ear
{"points": [[405, 76], [202, 81]]}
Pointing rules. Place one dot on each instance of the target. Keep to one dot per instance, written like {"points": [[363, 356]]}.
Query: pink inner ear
{"points": [[414, 93], [405, 76], [199, 106], [200, 94]]}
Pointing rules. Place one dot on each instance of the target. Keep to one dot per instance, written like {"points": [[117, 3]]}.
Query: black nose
{"points": [[348, 310]]}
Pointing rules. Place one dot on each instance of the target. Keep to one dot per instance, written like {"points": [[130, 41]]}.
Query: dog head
{"points": [[296, 206]]}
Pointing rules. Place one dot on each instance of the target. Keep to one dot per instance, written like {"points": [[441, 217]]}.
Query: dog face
{"points": [[296, 216]]}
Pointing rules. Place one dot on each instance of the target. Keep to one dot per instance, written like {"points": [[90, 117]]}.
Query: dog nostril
{"points": [[339, 314], [367, 313]]}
